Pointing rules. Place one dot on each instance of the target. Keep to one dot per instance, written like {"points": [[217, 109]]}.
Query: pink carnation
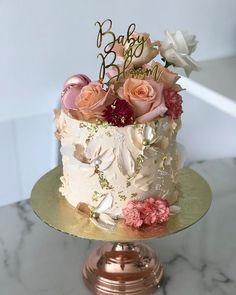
{"points": [[173, 102], [150, 211], [132, 214], [155, 211]]}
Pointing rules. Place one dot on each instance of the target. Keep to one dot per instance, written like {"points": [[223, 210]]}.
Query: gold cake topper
{"points": [[134, 47]]}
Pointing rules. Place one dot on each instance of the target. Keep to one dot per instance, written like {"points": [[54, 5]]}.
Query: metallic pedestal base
{"points": [[123, 268], [120, 268]]}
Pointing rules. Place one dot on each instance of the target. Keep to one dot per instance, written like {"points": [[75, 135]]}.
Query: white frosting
{"points": [[131, 162]]}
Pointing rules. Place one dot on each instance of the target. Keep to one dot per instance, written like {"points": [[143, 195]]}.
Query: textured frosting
{"points": [[131, 162]]}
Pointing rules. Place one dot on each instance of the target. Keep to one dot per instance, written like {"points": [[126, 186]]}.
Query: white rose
{"points": [[177, 48]]}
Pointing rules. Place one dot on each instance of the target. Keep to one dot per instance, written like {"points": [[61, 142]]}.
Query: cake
{"points": [[118, 134]]}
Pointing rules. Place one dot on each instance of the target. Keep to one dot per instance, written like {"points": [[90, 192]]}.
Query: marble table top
{"points": [[201, 260]]}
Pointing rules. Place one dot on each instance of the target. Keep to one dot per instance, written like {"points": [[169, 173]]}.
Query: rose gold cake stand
{"points": [[121, 266]]}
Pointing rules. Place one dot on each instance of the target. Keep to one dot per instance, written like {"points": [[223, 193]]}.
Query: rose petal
{"points": [[152, 115], [181, 43]]}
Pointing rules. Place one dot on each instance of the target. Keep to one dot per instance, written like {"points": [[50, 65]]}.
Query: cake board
{"points": [[121, 266]]}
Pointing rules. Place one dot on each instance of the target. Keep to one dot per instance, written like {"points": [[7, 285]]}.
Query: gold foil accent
{"points": [[163, 162], [104, 183], [54, 210], [88, 139], [122, 197], [133, 195], [96, 196], [93, 128], [139, 163], [128, 183], [146, 142], [108, 134], [138, 127], [134, 50], [94, 215], [141, 73]]}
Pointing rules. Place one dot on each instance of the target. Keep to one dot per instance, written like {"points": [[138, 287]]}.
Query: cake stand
{"points": [[120, 266]]}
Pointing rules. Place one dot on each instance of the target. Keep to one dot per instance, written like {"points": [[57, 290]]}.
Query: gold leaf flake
{"points": [[96, 196], [133, 195], [104, 183], [122, 197], [139, 163]]}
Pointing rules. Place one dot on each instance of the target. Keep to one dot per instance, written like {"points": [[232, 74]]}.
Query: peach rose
{"points": [[146, 98], [149, 49], [167, 77], [92, 100]]}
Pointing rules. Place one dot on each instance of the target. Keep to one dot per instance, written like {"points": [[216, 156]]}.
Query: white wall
{"points": [[43, 42], [27, 150], [207, 133]]}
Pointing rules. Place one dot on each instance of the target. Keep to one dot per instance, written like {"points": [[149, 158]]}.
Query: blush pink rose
{"points": [[72, 88], [92, 100], [146, 98]]}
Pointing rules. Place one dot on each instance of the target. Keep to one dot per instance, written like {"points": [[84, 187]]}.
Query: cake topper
{"points": [[132, 86], [131, 47], [136, 51]]}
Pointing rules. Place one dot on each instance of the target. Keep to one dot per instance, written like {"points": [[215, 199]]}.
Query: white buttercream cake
{"points": [[118, 137], [131, 162]]}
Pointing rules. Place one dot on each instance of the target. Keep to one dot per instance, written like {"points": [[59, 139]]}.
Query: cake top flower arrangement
{"points": [[132, 87]]}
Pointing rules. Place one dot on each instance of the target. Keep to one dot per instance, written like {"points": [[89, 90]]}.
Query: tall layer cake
{"points": [[118, 134]]}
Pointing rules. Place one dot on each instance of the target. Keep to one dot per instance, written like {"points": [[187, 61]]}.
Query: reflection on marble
{"points": [[201, 260]]}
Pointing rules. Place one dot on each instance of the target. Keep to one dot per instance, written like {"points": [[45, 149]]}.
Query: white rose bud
{"points": [[177, 48]]}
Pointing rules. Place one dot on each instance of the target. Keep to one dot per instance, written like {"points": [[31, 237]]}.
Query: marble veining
{"points": [[201, 260]]}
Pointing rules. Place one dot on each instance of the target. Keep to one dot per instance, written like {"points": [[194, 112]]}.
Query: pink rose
{"points": [[92, 100], [73, 87], [146, 98]]}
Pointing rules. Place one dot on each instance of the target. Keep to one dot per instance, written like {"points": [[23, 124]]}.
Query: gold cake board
{"points": [[121, 267]]}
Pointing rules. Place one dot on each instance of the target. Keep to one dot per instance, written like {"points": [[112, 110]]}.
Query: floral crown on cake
{"points": [[132, 87]]}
